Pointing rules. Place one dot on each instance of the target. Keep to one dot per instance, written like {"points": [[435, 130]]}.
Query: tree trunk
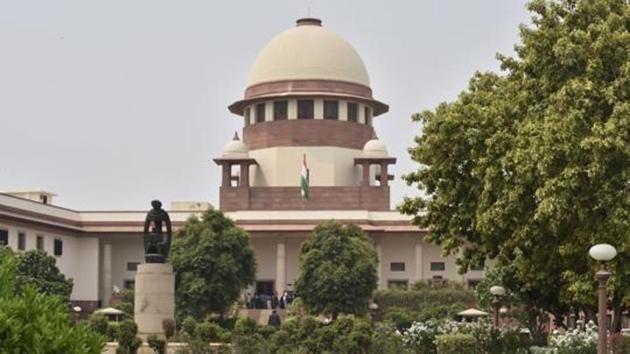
{"points": [[334, 315], [615, 326]]}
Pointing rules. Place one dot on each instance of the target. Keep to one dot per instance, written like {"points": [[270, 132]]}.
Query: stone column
{"points": [[419, 266], [384, 174], [154, 298], [379, 270], [227, 174], [244, 174], [366, 174], [281, 266], [106, 286]]}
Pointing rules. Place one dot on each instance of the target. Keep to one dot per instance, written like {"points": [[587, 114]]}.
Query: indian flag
{"points": [[304, 180]]}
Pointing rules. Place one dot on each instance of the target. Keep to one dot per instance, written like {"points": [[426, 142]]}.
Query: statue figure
{"points": [[156, 248]]}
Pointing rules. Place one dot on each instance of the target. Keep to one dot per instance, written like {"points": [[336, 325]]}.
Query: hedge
{"points": [[456, 344]]}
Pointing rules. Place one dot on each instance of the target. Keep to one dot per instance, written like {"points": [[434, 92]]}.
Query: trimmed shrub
{"points": [[266, 331], [112, 331], [189, 326], [245, 325], [128, 343], [208, 331], [249, 344], [157, 344], [168, 326], [99, 323], [455, 344]]}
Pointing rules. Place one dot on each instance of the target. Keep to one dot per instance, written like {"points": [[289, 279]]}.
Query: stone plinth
{"points": [[154, 298]]}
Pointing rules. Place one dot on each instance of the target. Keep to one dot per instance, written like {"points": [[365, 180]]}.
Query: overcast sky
{"points": [[112, 103]]}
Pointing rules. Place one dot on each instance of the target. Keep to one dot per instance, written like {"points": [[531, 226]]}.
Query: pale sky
{"points": [[110, 104]]}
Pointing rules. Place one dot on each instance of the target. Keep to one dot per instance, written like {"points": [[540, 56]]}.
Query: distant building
{"points": [[308, 100]]}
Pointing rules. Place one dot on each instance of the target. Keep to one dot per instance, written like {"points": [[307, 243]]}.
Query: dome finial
{"points": [[236, 136], [308, 21]]}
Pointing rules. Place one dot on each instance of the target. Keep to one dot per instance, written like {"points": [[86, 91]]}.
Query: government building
{"points": [[308, 102]]}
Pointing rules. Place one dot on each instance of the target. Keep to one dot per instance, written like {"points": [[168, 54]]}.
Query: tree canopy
{"points": [[213, 260], [36, 322], [39, 269], [531, 167], [337, 270]]}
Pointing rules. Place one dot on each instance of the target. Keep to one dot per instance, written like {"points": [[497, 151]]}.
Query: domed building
{"points": [[309, 153]]}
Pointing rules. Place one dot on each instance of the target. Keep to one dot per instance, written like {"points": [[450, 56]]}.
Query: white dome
{"points": [[374, 148], [236, 149], [308, 51]]}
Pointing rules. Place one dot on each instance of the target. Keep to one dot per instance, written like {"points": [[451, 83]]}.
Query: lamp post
{"points": [[602, 252], [497, 291]]}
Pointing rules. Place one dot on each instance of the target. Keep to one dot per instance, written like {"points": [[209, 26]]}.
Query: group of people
{"points": [[265, 301]]}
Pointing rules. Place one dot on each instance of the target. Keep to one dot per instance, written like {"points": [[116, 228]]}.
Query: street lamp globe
{"points": [[497, 290], [602, 252]]}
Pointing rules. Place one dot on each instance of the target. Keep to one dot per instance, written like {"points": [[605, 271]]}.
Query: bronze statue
{"points": [[156, 248]]}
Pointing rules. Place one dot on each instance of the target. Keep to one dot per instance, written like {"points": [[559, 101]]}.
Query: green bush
{"points": [[455, 344], [157, 344], [112, 331], [401, 318], [128, 342], [266, 331], [423, 303], [249, 344], [245, 325], [208, 332], [33, 322], [99, 323], [189, 326]]}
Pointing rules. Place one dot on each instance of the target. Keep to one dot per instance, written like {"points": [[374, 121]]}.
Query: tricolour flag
{"points": [[304, 179]]}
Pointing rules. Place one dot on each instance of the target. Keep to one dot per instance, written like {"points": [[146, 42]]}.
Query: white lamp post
{"points": [[602, 252], [497, 291]]}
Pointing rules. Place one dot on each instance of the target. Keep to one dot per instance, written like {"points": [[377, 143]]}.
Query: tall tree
{"points": [[39, 269], [213, 260], [36, 322], [337, 270], [531, 168]]}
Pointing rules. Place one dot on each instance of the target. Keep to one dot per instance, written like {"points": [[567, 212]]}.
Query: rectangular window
{"points": [[306, 109], [40, 242], [397, 284], [247, 115], [132, 266], [352, 112], [397, 266], [4, 237], [280, 110], [331, 109], [368, 117], [58, 249], [21, 241], [130, 284], [437, 266], [260, 113]]}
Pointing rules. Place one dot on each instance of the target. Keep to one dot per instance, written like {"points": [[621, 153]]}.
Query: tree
{"points": [[337, 270], [34, 322], [531, 168], [39, 269], [212, 260]]}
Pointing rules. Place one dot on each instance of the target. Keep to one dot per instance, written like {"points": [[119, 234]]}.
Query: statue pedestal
{"points": [[154, 298]]}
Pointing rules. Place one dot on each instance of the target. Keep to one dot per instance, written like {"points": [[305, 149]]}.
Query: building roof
{"points": [[308, 51], [132, 221]]}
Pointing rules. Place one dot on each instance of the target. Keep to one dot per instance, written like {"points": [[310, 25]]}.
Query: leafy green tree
{"points": [[33, 322], [212, 260], [531, 168], [39, 269], [337, 270]]}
